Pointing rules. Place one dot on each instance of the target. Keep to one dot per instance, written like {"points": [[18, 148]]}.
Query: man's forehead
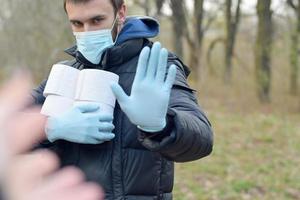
{"points": [[89, 9]]}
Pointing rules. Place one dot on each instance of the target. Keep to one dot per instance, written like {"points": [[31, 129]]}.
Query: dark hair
{"points": [[115, 3]]}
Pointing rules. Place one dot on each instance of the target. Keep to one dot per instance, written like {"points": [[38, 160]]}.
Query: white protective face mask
{"points": [[92, 44]]}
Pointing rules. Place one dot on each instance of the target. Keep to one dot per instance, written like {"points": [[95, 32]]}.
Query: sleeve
{"points": [[37, 93], [188, 135]]}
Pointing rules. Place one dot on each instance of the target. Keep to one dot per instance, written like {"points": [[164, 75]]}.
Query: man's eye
{"points": [[76, 24], [97, 21]]}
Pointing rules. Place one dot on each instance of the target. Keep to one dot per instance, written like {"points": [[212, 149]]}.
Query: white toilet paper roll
{"points": [[55, 105], [62, 81], [96, 87]]}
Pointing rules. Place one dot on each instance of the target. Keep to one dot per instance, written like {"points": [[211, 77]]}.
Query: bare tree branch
{"points": [[292, 4]]}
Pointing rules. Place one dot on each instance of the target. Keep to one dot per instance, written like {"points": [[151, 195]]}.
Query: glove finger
{"points": [[153, 61], [88, 107], [162, 65], [105, 127], [106, 118], [119, 93], [142, 64], [106, 136], [171, 77], [99, 117]]}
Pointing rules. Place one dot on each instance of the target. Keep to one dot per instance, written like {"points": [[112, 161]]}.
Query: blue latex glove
{"points": [[148, 104], [81, 125]]}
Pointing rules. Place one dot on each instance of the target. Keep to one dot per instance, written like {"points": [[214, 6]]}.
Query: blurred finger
{"points": [[87, 191], [32, 167], [65, 178], [14, 93], [29, 131]]}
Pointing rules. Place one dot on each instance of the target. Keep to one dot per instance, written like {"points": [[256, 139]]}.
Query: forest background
{"points": [[244, 57]]}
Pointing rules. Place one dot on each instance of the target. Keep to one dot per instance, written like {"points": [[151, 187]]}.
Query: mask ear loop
{"points": [[112, 28]]}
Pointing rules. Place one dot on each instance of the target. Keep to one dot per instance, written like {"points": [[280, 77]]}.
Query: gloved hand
{"points": [[148, 104], [81, 125]]}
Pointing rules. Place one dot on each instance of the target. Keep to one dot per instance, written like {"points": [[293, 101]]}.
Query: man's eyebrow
{"points": [[92, 18], [98, 17], [74, 20]]}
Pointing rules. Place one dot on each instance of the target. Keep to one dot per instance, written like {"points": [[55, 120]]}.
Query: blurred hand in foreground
{"points": [[33, 176]]}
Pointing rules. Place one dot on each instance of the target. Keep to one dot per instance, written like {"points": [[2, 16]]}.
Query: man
{"points": [[158, 124], [32, 176]]}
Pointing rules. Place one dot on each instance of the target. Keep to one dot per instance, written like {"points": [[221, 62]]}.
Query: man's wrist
{"points": [[160, 135], [154, 129]]}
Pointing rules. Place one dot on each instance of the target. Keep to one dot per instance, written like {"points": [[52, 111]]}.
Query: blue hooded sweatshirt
{"points": [[138, 27]]}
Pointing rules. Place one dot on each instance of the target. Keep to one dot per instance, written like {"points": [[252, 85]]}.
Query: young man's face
{"points": [[93, 15]]}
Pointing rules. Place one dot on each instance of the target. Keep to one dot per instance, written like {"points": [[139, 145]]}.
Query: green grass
{"points": [[256, 152], [256, 156]]}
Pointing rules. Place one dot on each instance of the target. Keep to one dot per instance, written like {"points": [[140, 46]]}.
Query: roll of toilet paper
{"points": [[56, 105], [96, 87], [62, 81]]}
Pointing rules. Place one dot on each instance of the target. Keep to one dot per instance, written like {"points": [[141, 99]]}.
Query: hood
{"points": [[137, 27]]}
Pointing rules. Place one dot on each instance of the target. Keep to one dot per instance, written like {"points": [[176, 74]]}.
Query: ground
{"points": [[256, 149], [255, 156]]}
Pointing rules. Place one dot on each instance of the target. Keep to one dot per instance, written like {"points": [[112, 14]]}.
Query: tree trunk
{"points": [[294, 62], [159, 4], [296, 78], [179, 25], [195, 45], [294, 51], [199, 13], [232, 22], [144, 4], [263, 50], [147, 7]]}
